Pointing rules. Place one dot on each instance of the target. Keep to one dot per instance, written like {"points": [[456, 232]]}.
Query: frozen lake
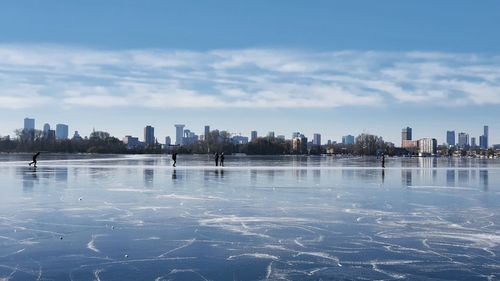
{"points": [[276, 218]]}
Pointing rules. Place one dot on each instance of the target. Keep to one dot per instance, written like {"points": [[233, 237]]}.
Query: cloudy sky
{"points": [[311, 66]]}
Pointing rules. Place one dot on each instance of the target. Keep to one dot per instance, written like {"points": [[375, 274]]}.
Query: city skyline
{"points": [[343, 68], [180, 131]]}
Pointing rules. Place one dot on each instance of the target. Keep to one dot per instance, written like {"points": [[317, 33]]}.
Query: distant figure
{"points": [[222, 159], [382, 159], [216, 159], [174, 158], [34, 159]]}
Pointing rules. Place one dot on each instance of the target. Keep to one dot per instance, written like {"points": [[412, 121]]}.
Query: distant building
{"points": [[296, 144], [316, 139], [168, 141], [450, 138], [179, 133], [29, 124], [482, 142], [253, 135], [299, 144], [51, 135], [62, 131], [280, 137], [189, 137], [349, 139], [329, 142], [149, 135], [406, 135], [409, 144], [427, 146], [473, 142], [132, 142], [239, 140], [207, 130], [46, 129], [463, 140], [270, 135], [216, 136], [483, 139], [76, 136]]}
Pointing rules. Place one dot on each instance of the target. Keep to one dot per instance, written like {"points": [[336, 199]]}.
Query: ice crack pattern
{"points": [[309, 218]]}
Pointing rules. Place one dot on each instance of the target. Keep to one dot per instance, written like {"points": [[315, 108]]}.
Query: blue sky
{"points": [[311, 66]]}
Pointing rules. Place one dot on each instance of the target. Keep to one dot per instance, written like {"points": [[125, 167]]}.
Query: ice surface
{"points": [[276, 218]]}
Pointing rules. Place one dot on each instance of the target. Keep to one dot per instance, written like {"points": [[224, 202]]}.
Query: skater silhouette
{"points": [[34, 159], [222, 159], [174, 158], [216, 159], [382, 159]]}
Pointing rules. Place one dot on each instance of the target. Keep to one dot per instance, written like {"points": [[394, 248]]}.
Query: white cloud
{"points": [[250, 78], [21, 96], [23, 101]]}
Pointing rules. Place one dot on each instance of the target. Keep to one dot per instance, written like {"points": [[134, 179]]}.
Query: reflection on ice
{"points": [[137, 218]]}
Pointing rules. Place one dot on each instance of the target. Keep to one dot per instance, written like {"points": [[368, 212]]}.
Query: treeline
{"points": [[98, 142], [365, 144], [102, 142], [260, 146]]}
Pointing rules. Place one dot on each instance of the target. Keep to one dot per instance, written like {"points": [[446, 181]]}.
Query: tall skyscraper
{"points": [[62, 131], [450, 138], [149, 135], [270, 134], [29, 124], [179, 133], [253, 135], [168, 141], [406, 135], [316, 139], [406, 139], [463, 140], [207, 131], [483, 140], [349, 139]]}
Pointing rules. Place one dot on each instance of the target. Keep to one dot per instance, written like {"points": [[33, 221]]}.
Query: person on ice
{"points": [[34, 159], [222, 159], [174, 158], [216, 159]]}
